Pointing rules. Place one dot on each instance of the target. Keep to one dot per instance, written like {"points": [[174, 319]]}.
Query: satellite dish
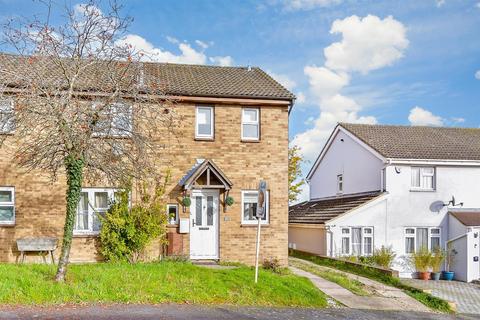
{"points": [[453, 201]]}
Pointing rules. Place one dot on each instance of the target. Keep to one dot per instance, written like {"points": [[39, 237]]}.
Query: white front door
{"points": [[204, 224]]}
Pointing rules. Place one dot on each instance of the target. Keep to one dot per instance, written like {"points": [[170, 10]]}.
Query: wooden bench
{"points": [[40, 245]]}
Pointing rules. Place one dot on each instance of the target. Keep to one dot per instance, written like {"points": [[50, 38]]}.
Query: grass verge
{"points": [[352, 285], [163, 282], [427, 299]]}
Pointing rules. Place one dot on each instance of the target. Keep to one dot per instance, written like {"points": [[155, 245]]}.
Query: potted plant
{"points": [[450, 259], [437, 259], [421, 261]]}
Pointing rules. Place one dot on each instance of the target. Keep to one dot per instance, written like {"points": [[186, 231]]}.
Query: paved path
{"points": [[385, 298], [195, 312], [465, 295]]}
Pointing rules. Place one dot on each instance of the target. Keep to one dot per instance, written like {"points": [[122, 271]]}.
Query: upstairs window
{"points": [[340, 183], [204, 123], [7, 205], [114, 121], [7, 120], [423, 178], [250, 124]]}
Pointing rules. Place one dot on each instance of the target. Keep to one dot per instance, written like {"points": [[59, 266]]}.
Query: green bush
{"points": [[421, 259], [384, 257], [127, 230]]}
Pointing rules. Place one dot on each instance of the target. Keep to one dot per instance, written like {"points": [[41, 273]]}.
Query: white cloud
{"points": [[284, 80], [478, 5], [202, 44], [308, 4], [225, 61], [440, 3], [301, 98], [477, 75], [421, 117], [186, 53], [367, 43], [458, 120]]}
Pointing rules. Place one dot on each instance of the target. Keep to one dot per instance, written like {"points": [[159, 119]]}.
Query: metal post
{"points": [[258, 249]]}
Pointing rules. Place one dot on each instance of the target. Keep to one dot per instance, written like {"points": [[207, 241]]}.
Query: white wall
{"points": [[360, 168], [455, 227], [467, 247]]}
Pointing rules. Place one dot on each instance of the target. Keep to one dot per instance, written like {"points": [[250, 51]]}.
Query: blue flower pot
{"points": [[448, 275]]}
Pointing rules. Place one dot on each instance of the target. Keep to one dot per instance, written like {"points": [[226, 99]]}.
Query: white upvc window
{"points": [[93, 203], [340, 183], [357, 241], [115, 120], [172, 213], [249, 207], [423, 178], [250, 124], [418, 237], [7, 116], [204, 122], [7, 205]]}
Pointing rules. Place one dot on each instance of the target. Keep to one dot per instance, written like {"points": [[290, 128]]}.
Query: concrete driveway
{"points": [[191, 312]]}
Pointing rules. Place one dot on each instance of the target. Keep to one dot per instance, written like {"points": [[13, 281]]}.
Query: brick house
{"points": [[234, 133]]}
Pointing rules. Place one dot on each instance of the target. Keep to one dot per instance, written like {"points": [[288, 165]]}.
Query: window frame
{"points": [[363, 235], [172, 205], [8, 204], [340, 183], [112, 134], [91, 210], [210, 136], [244, 122], [255, 221], [11, 103], [429, 237], [423, 174]]}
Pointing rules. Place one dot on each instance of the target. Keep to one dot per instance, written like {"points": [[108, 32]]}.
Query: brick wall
{"points": [[40, 203]]}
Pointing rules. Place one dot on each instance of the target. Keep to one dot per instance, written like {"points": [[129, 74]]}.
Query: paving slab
{"points": [[466, 296]]}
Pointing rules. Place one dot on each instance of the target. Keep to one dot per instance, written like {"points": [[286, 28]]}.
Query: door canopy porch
{"points": [[205, 175]]}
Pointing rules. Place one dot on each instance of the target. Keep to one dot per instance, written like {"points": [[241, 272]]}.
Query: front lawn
{"points": [[163, 282]]}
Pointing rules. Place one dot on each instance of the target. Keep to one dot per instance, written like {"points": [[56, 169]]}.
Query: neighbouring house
{"points": [[380, 185], [233, 133]]}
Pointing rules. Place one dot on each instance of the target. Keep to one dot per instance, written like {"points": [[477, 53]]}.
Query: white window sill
{"points": [[422, 190], [7, 223], [249, 140], [85, 234], [255, 224]]}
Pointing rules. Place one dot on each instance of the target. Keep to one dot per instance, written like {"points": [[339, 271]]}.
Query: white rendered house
{"points": [[375, 185]]}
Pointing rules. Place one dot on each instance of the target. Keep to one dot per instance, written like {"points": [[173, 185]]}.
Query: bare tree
{"points": [[84, 104]]}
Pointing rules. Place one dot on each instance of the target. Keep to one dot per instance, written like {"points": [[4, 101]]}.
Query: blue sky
{"points": [[391, 62]]}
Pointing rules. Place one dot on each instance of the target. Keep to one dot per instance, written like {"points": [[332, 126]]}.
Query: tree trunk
{"points": [[74, 171]]}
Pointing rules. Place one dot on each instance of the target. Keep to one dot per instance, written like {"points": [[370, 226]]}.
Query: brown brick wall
{"points": [[40, 203]]}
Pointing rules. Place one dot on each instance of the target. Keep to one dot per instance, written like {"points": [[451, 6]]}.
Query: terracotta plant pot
{"points": [[436, 275], [424, 275]]}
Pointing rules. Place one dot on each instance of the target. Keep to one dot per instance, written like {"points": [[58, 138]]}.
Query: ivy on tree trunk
{"points": [[74, 170]]}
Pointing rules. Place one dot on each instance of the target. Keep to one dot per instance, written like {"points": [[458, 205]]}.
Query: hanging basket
{"points": [[229, 201], [186, 201]]}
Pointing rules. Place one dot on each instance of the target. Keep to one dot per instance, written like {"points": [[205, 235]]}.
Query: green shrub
{"points": [[384, 257], [421, 259], [127, 230], [437, 259], [368, 260]]}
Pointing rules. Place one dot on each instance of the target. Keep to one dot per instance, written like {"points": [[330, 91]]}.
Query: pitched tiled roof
{"points": [[419, 142], [172, 79], [469, 218], [322, 210]]}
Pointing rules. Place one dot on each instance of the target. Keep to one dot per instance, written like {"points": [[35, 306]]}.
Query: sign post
{"points": [[260, 213]]}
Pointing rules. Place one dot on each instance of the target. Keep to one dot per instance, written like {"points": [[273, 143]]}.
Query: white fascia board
{"points": [[440, 162], [329, 142], [366, 205]]}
